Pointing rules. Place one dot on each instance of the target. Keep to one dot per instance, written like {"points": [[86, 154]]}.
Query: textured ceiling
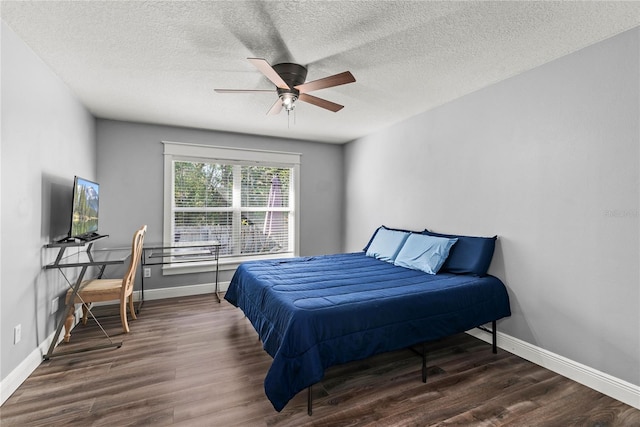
{"points": [[158, 62]]}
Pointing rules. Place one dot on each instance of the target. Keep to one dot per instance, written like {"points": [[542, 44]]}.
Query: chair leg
{"points": [[68, 323], [85, 313], [132, 309], [123, 316]]}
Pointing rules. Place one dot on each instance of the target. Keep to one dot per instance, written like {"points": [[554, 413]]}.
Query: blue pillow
{"points": [[386, 244], [424, 252], [388, 228], [470, 255]]}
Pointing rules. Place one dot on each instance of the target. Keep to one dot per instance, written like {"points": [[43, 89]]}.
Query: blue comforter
{"points": [[314, 312]]}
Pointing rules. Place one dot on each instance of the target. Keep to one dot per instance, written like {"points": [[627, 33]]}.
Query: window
{"points": [[244, 199]]}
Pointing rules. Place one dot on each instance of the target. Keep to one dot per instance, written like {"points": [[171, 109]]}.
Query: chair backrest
{"points": [[136, 252]]}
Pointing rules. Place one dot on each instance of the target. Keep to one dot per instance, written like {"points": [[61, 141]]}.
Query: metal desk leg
{"points": [[67, 306], [217, 287], [141, 301]]}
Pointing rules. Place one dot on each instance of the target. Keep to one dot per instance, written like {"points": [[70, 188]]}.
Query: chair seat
{"points": [[98, 290]]}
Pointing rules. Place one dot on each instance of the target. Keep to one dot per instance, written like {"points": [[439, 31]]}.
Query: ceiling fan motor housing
{"points": [[293, 75]]}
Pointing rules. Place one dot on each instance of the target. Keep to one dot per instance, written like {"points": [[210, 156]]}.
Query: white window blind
{"points": [[243, 199]]}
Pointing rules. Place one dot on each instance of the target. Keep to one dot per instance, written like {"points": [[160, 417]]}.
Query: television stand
{"points": [[82, 239]]}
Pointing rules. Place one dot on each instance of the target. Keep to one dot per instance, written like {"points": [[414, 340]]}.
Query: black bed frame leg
{"points": [[309, 402], [494, 336], [424, 363]]}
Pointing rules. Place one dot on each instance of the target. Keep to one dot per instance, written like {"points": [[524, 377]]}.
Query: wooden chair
{"points": [[98, 290]]}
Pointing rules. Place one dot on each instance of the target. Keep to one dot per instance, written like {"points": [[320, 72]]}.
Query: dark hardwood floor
{"points": [[193, 362]]}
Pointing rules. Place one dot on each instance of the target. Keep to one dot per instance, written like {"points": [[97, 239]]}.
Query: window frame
{"points": [[180, 151]]}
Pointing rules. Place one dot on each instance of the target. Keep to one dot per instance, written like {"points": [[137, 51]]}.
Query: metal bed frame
{"points": [[423, 354]]}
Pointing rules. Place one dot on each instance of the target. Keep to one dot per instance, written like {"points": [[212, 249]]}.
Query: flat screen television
{"points": [[85, 208]]}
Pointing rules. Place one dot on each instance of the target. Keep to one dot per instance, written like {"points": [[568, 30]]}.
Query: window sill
{"points": [[225, 264]]}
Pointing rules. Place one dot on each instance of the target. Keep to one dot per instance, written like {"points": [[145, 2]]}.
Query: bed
{"points": [[315, 312]]}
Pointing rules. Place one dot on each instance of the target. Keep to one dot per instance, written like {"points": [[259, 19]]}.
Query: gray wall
{"points": [[131, 168], [549, 161], [47, 138]]}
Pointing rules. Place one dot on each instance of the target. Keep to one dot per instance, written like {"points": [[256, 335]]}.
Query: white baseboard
{"points": [[604, 383], [183, 291], [11, 382], [16, 377]]}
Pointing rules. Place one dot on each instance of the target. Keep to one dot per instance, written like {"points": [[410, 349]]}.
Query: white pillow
{"points": [[386, 244], [424, 252]]}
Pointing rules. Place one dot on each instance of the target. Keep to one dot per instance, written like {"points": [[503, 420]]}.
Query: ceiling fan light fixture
{"points": [[288, 101]]}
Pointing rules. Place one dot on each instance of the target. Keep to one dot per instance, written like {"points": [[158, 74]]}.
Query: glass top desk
{"points": [[154, 254], [83, 259]]}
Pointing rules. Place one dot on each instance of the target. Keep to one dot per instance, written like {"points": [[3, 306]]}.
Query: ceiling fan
{"points": [[290, 86]]}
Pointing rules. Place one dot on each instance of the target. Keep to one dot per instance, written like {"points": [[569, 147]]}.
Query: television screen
{"points": [[84, 217]]}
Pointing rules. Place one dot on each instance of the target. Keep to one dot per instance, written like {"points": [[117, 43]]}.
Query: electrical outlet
{"points": [[54, 305], [17, 333], [147, 272]]}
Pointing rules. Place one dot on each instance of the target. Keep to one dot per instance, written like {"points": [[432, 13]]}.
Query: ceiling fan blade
{"points": [[319, 102], [244, 90], [275, 108], [331, 81], [263, 66]]}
